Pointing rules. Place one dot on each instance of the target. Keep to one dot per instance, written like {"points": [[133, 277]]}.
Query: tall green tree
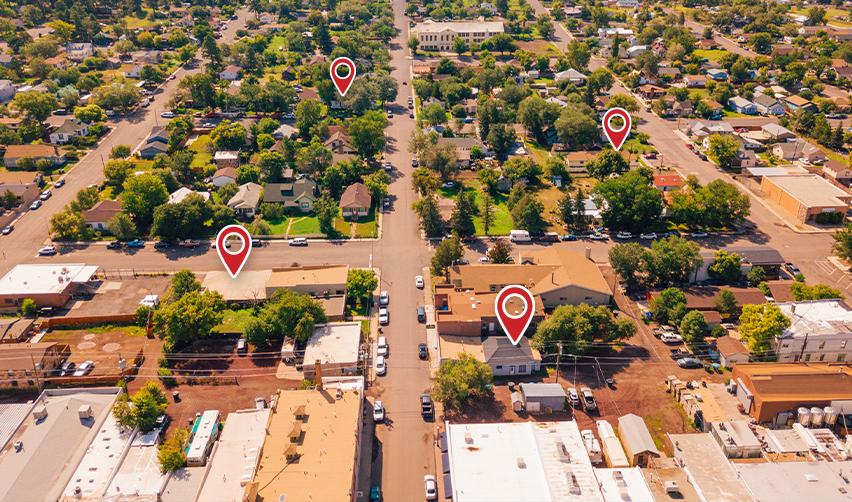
{"points": [[430, 218], [580, 328], [461, 221], [726, 267], [447, 252], [460, 381], [761, 324]]}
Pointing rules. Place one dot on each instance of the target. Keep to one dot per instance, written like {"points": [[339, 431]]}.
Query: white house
{"points": [[767, 105], [135, 71], [570, 75], [182, 193], [224, 176], [742, 105], [245, 201], [7, 91], [78, 51], [231, 72], [69, 129]]}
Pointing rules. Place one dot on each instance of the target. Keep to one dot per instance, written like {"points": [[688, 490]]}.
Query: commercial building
{"points": [[529, 461], [236, 457], [55, 434], [138, 477], [49, 285], [805, 196], [736, 439], [312, 447], [470, 313], [335, 346], [820, 330], [623, 484], [22, 364], [91, 478], [439, 36], [772, 392], [822, 481], [707, 468]]}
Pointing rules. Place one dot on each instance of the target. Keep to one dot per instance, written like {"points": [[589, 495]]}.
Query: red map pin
{"points": [[514, 306], [342, 83], [616, 137], [233, 261]]}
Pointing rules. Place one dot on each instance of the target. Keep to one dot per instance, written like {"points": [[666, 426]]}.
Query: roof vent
{"points": [[521, 463], [468, 439]]}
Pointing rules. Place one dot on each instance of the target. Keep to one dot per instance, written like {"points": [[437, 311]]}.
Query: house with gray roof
{"points": [[506, 359], [300, 194], [245, 201]]}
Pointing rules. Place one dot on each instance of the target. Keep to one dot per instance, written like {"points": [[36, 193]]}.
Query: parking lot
{"points": [[105, 346]]}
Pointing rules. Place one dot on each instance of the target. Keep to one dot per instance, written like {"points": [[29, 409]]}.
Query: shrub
{"points": [[166, 376], [834, 218], [142, 313], [29, 307], [272, 211]]}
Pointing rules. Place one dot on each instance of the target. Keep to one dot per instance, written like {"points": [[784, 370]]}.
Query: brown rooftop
{"points": [[356, 195], [797, 381]]}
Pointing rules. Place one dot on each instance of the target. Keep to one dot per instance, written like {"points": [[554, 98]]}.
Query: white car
{"points": [[47, 251], [84, 368], [698, 235], [384, 298], [671, 338], [418, 281], [623, 235], [484, 259], [649, 236], [35, 205], [384, 316], [168, 115], [382, 347], [378, 412], [599, 237], [430, 486], [381, 366]]}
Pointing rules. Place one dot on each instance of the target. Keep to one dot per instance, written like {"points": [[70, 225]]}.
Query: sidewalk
{"points": [[431, 324]]}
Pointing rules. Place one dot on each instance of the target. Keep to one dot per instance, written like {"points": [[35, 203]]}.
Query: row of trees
{"points": [[670, 261]]}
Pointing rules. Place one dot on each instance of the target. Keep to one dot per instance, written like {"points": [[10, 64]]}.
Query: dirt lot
{"points": [[214, 376], [119, 296], [105, 345]]}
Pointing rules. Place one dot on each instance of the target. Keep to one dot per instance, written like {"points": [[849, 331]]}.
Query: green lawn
{"points": [[369, 226], [502, 223], [304, 225], [278, 226], [234, 321], [711, 54], [202, 153], [635, 146]]}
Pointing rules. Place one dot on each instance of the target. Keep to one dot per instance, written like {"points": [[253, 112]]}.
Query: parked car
{"points": [[678, 354], [115, 245], [59, 183], [382, 347], [418, 282], [623, 235], [698, 235], [422, 351], [8, 229], [136, 243], [299, 241], [649, 236], [242, 346], [35, 205], [573, 397], [47, 251], [384, 316], [792, 268], [421, 314], [45, 195], [167, 115], [378, 412], [430, 486], [384, 298], [569, 237], [589, 402], [84, 368], [448, 184], [381, 366], [67, 368], [671, 338], [162, 245], [376, 493], [427, 409], [599, 237], [689, 363], [386, 203], [189, 243], [256, 243], [484, 259]]}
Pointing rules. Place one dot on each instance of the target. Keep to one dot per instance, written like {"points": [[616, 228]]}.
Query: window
{"points": [[841, 358], [807, 357], [842, 344], [822, 357], [499, 367], [522, 368]]}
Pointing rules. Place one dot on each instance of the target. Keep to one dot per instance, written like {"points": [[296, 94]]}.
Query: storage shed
{"points": [[543, 397], [637, 441]]}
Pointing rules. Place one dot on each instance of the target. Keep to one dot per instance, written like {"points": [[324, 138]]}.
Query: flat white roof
{"points": [[208, 421], [42, 279], [707, 468], [797, 480], [249, 285], [236, 457], [818, 317], [139, 473], [623, 485], [53, 445], [811, 190], [102, 457], [529, 461], [11, 416], [334, 343], [430, 26]]}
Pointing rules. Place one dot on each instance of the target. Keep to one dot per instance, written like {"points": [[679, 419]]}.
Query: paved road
{"points": [[31, 230]]}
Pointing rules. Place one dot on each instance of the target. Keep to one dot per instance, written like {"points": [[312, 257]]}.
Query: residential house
{"points": [[742, 105], [300, 194], [746, 158], [833, 169], [718, 74], [153, 148], [765, 257], [14, 153], [98, 216], [768, 105], [224, 176], [439, 36], [6, 60], [695, 81], [147, 57], [627, 4], [702, 130], [667, 182], [335, 346], [356, 201], [134, 71], [571, 75], [230, 72], [669, 73], [577, 162], [776, 132], [23, 184], [71, 128], [285, 131], [227, 158], [635, 50], [796, 103], [245, 201], [799, 150], [649, 91], [465, 147], [158, 133], [506, 359], [703, 298], [731, 352], [78, 51], [182, 193], [7, 90]]}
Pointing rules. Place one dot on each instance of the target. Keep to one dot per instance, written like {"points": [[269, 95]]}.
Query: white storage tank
{"points": [[816, 416], [804, 416], [830, 416]]}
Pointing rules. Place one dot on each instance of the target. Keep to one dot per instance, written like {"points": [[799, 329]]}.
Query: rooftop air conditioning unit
{"points": [[85, 412], [40, 413]]}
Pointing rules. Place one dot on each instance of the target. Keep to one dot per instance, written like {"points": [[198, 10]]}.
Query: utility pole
{"points": [[35, 372], [558, 360]]}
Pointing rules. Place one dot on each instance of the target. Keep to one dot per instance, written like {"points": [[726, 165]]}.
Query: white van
{"points": [[519, 236]]}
